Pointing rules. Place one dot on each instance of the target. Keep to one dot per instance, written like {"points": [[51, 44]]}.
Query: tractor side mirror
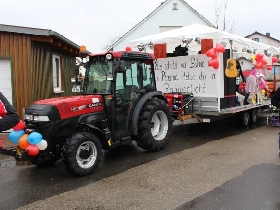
{"points": [[120, 66]]}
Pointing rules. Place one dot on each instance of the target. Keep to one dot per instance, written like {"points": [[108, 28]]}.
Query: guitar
{"points": [[231, 70]]}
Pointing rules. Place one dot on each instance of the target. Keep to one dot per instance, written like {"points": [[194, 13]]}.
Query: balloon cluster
{"points": [[261, 62], [212, 53], [32, 142]]}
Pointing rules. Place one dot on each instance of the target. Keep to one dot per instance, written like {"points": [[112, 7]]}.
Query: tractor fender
{"points": [[91, 118], [97, 132], [138, 107]]}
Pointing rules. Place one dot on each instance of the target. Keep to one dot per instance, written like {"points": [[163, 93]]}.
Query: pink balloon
{"points": [[211, 53], [19, 126], [220, 48], [33, 150]]}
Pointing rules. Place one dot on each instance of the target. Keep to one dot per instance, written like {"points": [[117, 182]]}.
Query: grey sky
{"points": [[96, 22]]}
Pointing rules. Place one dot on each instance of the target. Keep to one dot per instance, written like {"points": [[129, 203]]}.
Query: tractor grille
{"points": [[136, 56]]}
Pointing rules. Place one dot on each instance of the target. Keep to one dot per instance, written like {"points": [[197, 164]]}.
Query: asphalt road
{"points": [[216, 166]]}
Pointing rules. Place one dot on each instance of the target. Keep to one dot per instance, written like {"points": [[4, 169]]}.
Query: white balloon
{"points": [[42, 145]]}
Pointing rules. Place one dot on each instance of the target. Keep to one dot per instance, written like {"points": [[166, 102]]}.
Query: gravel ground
{"points": [[171, 181]]}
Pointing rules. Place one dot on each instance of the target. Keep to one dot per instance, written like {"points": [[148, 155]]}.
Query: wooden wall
{"points": [[41, 70], [17, 47], [31, 66]]}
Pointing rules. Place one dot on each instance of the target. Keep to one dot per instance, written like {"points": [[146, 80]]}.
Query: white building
{"points": [[170, 14]]}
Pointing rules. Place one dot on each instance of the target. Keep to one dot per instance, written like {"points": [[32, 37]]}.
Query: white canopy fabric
{"points": [[202, 32]]}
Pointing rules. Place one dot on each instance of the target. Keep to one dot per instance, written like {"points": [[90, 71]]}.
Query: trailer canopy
{"points": [[202, 32]]}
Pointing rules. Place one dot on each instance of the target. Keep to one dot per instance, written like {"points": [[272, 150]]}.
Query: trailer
{"points": [[197, 93], [195, 73]]}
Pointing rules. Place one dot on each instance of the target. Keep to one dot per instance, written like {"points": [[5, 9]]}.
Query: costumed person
{"points": [[262, 84], [275, 99], [251, 85], [10, 118], [240, 77]]}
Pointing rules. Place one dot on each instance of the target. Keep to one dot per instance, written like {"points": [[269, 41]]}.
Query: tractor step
{"points": [[9, 151]]}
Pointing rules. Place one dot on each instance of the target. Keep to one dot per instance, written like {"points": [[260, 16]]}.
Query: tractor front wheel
{"points": [[82, 153]]}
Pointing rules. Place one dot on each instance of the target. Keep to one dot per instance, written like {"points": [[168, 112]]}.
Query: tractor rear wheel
{"points": [[155, 125], [82, 153]]}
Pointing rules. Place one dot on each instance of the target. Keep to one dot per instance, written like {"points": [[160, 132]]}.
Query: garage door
{"points": [[5, 78]]}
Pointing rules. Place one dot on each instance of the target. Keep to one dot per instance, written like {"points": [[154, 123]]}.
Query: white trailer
{"points": [[213, 92], [207, 93]]}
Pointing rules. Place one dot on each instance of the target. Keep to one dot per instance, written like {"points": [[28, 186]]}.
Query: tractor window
{"points": [[148, 80], [97, 78], [131, 74]]}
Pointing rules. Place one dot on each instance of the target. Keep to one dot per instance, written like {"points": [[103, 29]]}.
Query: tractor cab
{"points": [[121, 78]]}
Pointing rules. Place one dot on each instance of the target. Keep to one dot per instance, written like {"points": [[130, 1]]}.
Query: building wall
{"points": [[17, 48], [41, 70], [163, 17], [265, 39], [31, 69]]}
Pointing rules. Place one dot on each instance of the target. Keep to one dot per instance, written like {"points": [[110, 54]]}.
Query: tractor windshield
{"points": [[96, 77]]}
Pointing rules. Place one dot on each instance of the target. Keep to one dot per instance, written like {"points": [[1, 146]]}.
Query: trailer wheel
{"points": [[82, 153], [155, 125], [253, 116], [244, 117], [269, 120]]}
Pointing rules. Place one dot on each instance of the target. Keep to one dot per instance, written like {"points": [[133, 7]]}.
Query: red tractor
{"points": [[118, 104]]}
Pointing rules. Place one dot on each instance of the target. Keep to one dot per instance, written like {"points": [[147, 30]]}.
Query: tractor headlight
{"points": [[109, 56], [28, 117], [37, 118]]}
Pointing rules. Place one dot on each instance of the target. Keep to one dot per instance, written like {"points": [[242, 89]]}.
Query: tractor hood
{"points": [[67, 107]]}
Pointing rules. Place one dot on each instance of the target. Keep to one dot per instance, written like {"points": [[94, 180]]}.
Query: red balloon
{"points": [[19, 126], [259, 57], [211, 53], [220, 48], [264, 62], [33, 150], [214, 63], [269, 68], [259, 65], [274, 59]]}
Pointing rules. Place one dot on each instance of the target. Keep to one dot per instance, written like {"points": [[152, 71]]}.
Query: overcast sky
{"points": [[95, 22]]}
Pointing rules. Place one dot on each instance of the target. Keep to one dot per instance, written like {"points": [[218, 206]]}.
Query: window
{"points": [[56, 62], [175, 6], [256, 39]]}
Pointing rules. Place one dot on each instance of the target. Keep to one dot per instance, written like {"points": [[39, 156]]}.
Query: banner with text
{"points": [[186, 74]]}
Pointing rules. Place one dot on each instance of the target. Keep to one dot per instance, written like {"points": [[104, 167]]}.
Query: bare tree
{"points": [[109, 44], [222, 21]]}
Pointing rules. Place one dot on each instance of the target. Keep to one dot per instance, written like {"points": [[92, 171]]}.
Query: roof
{"points": [[38, 32], [152, 13], [258, 33], [202, 32]]}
